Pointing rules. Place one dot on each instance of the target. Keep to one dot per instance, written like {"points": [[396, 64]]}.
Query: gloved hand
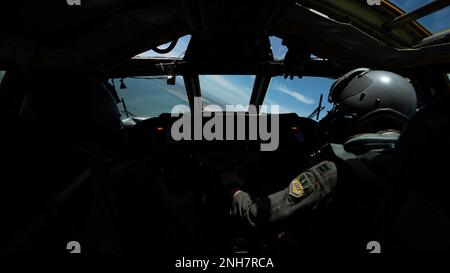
{"points": [[232, 182], [294, 63]]}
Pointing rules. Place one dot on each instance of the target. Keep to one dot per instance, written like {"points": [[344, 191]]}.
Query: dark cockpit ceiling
{"points": [[229, 37]]}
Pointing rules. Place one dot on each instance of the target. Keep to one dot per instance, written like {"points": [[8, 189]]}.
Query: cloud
{"points": [[285, 90], [282, 109], [225, 90], [178, 94]]}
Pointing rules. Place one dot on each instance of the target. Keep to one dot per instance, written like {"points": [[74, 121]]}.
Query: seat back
{"points": [[417, 215]]}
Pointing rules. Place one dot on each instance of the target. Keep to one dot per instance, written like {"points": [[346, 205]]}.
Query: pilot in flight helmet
{"points": [[367, 101]]}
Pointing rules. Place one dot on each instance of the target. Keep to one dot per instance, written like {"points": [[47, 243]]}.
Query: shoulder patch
{"points": [[300, 186]]}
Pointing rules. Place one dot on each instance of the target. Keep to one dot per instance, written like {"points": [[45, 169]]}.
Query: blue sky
{"points": [[434, 22]]}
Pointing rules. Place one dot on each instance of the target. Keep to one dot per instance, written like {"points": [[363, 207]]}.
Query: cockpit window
{"points": [[435, 22], [149, 96], [177, 52], [278, 49], [226, 90], [300, 96]]}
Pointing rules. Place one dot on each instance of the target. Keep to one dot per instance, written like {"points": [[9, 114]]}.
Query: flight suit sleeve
{"points": [[306, 192]]}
